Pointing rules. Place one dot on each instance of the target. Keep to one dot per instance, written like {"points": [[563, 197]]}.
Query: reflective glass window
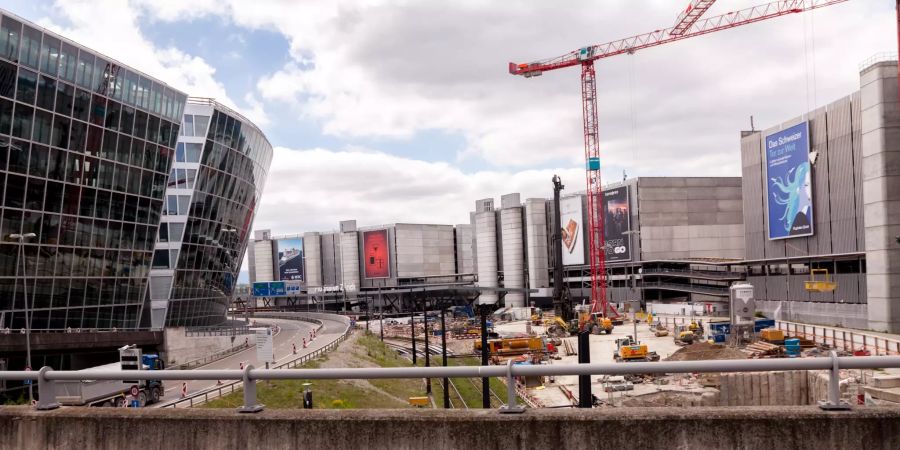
{"points": [[31, 47], [37, 165], [53, 200], [60, 131], [91, 172], [161, 259], [140, 124], [88, 199], [126, 124], [22, 118], [77, 136], [82, 105], [192, 152], [163, 233], [12, 222], [98, 110], [108, 149], [65, 98], [68, 62], [179, 152], [50, 228], [175, 231], [94, 141], [113, 112], [200, 125], [84, 73], [173, 258], [46, 92], [123, 150], [101, 76], [153, 130], [34, 198], [15, 191], [144, 86], [27, 87], [43, 124], [50, 48], [184, 203], [8, 75], [187, 126], [56, 163], [6, 118], [103, 201], [10, 31], [190, 175], [171, 205], [117, 81]]}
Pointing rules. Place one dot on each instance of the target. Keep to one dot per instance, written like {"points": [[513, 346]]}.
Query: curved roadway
{"points": [[291, 332]]}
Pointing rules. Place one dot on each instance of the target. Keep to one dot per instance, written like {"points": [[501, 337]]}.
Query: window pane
{"points": [[22, 121], [50, 55], [82, 105], [10, 30], [161, 259], [46, 92], [179, 152], [84, 73], [67, 62], [8, 77], [27, 87], [31, 43], [171, 205], [191, 175], [65, 97], [163, 233], [60, 132], [192, 152], [43, 123], [175, 231], [6, 118], [184, 203], [187, 128]]}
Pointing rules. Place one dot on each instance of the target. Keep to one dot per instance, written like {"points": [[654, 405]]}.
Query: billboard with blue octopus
{"points": [[789, 183]]}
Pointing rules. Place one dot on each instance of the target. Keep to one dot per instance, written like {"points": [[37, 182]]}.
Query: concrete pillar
{"points": [[349, 256], [881, 193]]}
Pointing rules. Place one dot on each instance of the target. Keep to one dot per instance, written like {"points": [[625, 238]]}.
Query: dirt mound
{"points": [[705, 351]]}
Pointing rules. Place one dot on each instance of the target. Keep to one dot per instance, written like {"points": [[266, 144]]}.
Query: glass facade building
{"points": [[86, 148], [214, 187]]}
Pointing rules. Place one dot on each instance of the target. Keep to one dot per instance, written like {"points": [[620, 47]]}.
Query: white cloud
{"points": [[313, 190], [111, 27]]}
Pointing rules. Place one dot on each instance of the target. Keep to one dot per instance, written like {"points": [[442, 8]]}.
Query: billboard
{"points": [[290, 259], [616, 222], [789, 183], [376, 257], [571, 217]]}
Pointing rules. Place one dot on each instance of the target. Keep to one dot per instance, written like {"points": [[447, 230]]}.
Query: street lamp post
{"points": [[21, 239]]}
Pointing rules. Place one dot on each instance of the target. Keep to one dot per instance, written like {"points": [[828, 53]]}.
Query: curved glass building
{"points": [[214, 188], [86, 147]]}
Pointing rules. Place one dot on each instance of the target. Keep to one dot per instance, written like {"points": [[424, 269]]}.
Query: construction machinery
{"points": [[683, 336], [562, 302], [557, 327], [660, 330], [630, 350], [594, 322], [536, 316], [688, 24], [514, 346]]}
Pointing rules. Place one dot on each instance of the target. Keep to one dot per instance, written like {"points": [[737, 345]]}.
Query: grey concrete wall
{"points": [[424, 250], [512, 245], [464, 249], [312, 258], [331, 259], [833, 314], [787, 427], [685, 217], [350, 260], [180, 348], [486, 253], [881, 193]]}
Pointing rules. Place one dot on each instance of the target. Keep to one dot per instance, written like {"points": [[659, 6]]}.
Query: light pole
{"points": [[21, 239]]}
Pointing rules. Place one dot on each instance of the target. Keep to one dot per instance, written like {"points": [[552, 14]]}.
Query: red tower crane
{"points": [[688, 24]]}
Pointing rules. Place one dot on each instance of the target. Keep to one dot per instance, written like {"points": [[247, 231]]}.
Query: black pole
{"points": [[444, 357], [427, 352], [381, 310], [584, 381], [412, 328], [368, 315], [485, 382]]}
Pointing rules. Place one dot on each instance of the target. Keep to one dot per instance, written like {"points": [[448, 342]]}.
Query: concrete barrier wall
{"points": [[788, 427], [180, 348]]}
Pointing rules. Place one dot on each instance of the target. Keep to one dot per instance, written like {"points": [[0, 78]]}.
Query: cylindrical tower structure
{"points": [[513, 252], [486, 250], [312, 252]]}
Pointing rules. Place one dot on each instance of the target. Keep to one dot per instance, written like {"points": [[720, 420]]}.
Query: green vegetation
{"points": [[365, 350]]}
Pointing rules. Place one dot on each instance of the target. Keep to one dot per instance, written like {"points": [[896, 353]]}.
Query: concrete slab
{"points": [[886, 381]]}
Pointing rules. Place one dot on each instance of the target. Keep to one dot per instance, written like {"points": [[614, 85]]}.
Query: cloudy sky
{"points": [[403, 111]]}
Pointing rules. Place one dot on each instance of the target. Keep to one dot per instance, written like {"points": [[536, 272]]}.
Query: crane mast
{"points": [[688, 24]]}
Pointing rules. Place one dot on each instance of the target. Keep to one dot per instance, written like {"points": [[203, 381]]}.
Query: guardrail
{"points": [[227, 388], [47, 377], [841, 339], [218, 331], [209, 358]]}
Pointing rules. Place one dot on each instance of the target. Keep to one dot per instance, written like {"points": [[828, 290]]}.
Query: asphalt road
{"points": [[291, 333]]}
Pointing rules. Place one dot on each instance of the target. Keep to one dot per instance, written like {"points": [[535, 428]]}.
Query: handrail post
{"points": [[834, 402], [46, 391], [250, 404], [511, 406]]}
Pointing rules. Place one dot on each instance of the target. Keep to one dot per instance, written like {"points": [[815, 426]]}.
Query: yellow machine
{"points": [[556, 327], [683, 335], [822, 285], [630, 350], [772, 335], [595, 323], [536, 315], [696, 328], [513, 346]]}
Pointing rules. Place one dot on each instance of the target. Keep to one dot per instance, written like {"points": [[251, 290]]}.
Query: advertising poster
{"points": [[290, 259], [616, 222], [789, 183], [376, 257], [572, 222]]}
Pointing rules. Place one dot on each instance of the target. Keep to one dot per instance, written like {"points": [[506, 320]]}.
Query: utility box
{"points": [[743, 303]]}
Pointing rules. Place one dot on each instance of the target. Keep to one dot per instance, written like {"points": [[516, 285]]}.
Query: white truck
{"points": [[114, 392]]}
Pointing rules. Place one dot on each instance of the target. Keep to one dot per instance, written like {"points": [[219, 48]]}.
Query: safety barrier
{"points": [[47, 377]]}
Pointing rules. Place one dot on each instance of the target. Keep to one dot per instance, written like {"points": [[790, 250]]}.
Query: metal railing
{"points": [[712, 274], [47, 377], [877, 58], [210, 358], [217, 331]]}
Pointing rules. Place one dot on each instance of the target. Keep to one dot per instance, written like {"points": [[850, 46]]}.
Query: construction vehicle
{"points": [[630, 350], [558, 328], [114, 392], [683, 335], [696, 327], [660, 330], [536, 316], [594, 322], [513, 346]]}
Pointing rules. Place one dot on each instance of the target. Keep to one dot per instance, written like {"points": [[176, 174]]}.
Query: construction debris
{"points": [[704, 350]]}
